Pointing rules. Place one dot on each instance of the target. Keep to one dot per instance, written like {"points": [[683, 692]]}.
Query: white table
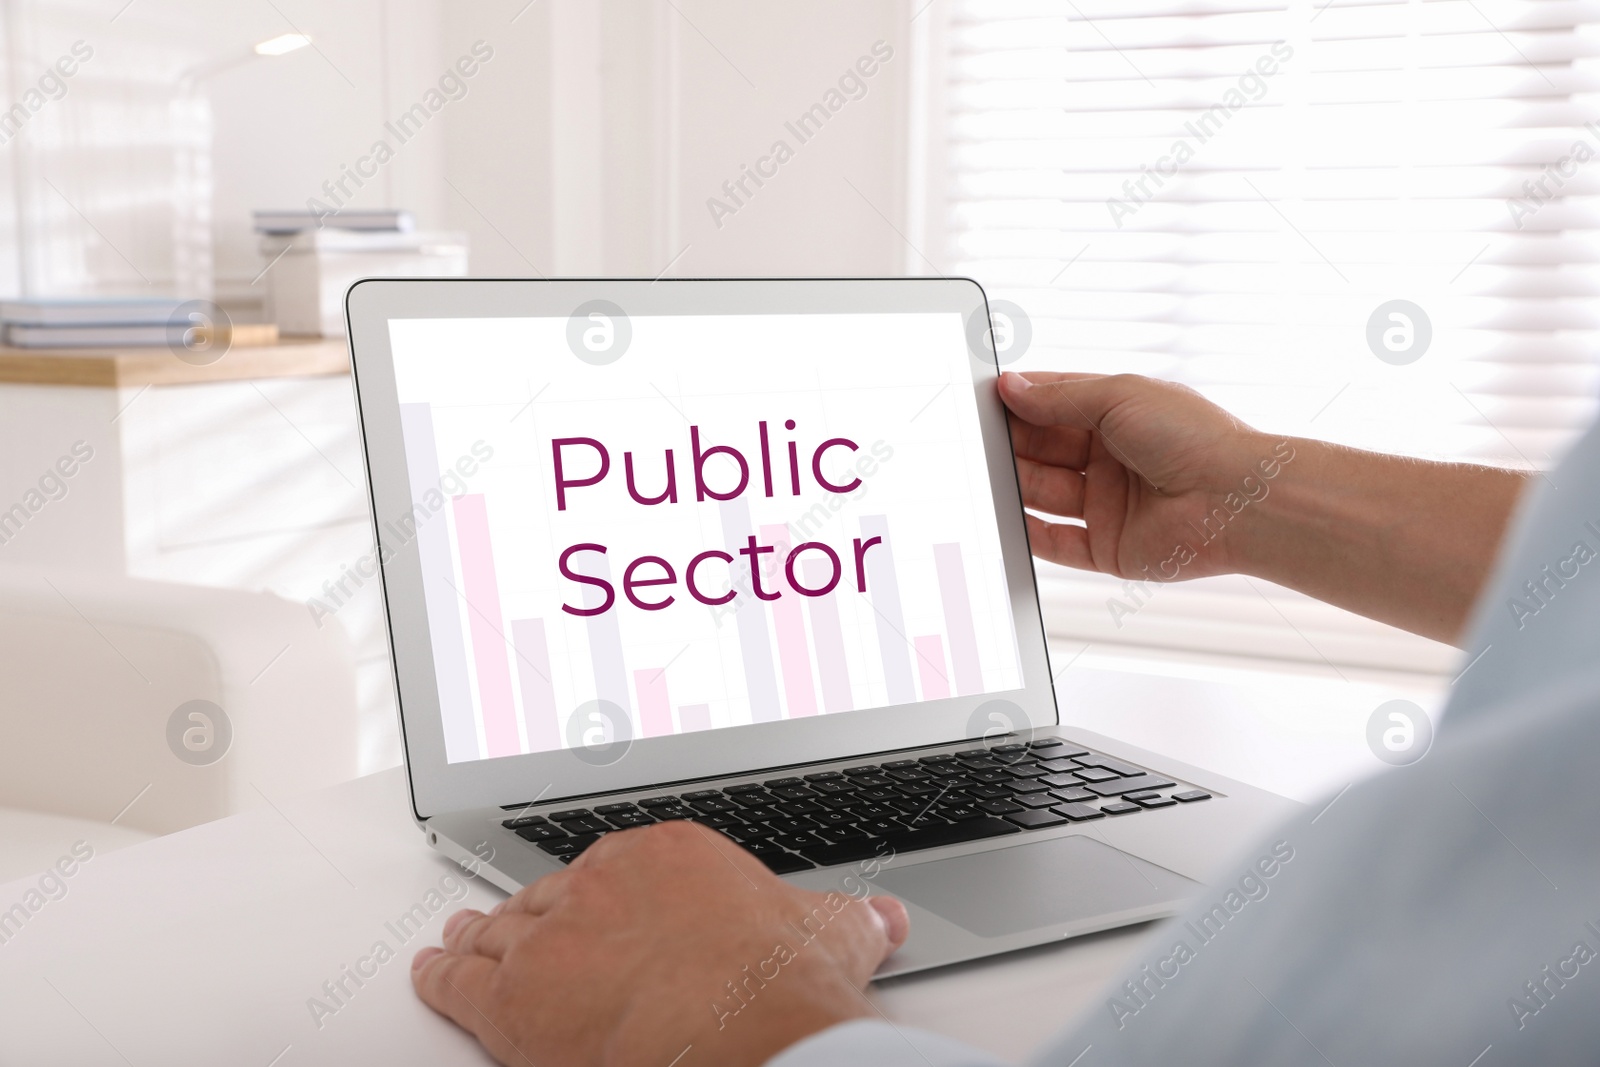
{"points": [[206, 946]]}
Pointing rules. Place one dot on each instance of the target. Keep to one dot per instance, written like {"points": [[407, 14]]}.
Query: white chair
{"points": [[93, 667]]}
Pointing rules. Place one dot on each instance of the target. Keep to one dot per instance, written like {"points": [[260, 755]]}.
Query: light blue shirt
{"points": [[1447, 912]]}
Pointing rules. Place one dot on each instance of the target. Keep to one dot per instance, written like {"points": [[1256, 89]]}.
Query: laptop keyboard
{"points": [[879, 810]]}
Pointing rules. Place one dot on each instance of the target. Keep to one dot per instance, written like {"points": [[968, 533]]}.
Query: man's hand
{"points": [[1170, 486], [659, 942], [1143, 463]]}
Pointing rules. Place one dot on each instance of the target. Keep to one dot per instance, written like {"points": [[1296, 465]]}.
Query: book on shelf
{"points": [[132, 311], [372, 219]]}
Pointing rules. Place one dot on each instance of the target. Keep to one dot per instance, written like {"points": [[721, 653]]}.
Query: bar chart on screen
{"points": [[784, 556]]}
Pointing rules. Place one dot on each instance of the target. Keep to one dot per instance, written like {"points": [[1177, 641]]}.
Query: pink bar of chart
{"points": [[533, 676], [694, 717], [482, 592], [790, 625], [930, 667], [655, 712]]}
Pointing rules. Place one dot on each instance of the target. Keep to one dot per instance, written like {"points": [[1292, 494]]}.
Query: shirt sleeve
{"points": [[874, 1043]]}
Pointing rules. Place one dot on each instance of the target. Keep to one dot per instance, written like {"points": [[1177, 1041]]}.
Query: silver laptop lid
{"points": [[636, 532]]}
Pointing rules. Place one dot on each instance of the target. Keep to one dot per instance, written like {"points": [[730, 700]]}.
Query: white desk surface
{"points": [[206, 946]]}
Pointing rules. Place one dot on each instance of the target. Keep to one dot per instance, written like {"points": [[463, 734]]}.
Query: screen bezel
{"points": [[438, 786]]}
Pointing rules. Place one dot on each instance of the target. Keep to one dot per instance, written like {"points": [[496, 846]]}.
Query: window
{"points": [[1225, 193]]}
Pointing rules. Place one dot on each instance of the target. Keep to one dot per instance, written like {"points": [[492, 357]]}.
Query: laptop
{"points": [[751, 553]]}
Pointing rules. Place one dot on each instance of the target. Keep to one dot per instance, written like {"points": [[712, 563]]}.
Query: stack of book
{"points": [[90, 323], [310, 264]]}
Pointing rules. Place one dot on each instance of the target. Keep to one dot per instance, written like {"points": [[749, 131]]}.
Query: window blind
{"points": [[1233, 194]]}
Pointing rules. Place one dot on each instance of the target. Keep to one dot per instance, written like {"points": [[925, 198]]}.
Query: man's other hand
{"points": [[657, 943]]}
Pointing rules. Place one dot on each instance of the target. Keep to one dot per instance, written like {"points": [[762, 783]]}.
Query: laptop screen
{"points": [[635, 527]]}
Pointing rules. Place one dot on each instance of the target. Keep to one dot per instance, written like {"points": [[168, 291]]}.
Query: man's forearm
{"points": [[1405, 541]]}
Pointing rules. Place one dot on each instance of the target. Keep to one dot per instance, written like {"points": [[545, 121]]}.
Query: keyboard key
{"points": [[961, 813], [972, 753], [672, 813], [544, 832], [1026, 787], [737, 790], [797, 841], [877, 794], [833, 818], [879, 827], [624, 820], [1189, 796], [919, 789], [792, 792], [909, 841], [747, 832], [899, 764], [988, 792], [757, 798], [873, 811], [1029, 770], [520, 821], [990, 777], [1036, 800], [981, 763], [1059, 781], [833, 789], [871, 781], [1119, 807], [568, 846], [760, 814], [783, 783], [660, 802], [1155, 802], [1145, 795], [865, 768], [717, 822], [801, 807], [702, 794], [912, 774], [762, 848], [844, 800], [1059, 765], [1119, 786], [1075, 795], [942, 759], [1125, 769], [1045, 742], [570, 813], [713, 806], [1034, 820], [794, 826], [925, 818], [612, 809], [1096, 774], [999, 807], [824, 776], [585, 826], [841, 833], [1078, 812], [1006, 750], [786, 863]]}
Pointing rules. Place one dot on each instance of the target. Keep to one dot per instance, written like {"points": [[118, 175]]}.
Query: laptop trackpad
{"points": [[1043, 883]]}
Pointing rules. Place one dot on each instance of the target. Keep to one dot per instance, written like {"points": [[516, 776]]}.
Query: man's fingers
{"points": [[1055, 490], [1055, 446], [486, 935], [1060, 543], [896, 923], [451, 984], [1078, 401], [537, 897]]}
